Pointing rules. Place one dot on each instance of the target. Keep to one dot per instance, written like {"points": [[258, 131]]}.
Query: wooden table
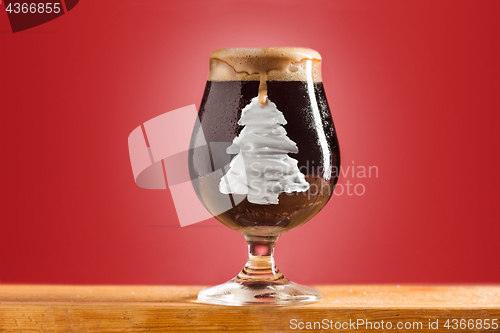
{"points": [[25, 308]]}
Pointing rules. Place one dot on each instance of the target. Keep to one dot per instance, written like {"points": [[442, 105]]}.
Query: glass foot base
{"points": [[237, 294]]}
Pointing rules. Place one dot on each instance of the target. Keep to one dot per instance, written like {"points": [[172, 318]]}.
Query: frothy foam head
{"points": [[269, 63]]}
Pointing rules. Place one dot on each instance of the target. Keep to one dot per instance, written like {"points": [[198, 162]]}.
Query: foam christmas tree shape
{"points": [[262, 168]]}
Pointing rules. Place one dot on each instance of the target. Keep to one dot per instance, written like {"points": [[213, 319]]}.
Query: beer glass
{"points": [[272, 146]]}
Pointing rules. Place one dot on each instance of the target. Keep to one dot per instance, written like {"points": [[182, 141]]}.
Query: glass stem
{"points": [[260, 267]]}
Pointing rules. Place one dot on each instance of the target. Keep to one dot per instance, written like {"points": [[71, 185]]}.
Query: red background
{"points": [[413, 87]]}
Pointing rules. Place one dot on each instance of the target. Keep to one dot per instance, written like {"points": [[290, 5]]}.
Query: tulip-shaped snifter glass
{"points": [[270, 162]]}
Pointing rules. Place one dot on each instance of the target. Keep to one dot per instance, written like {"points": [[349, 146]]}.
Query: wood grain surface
{"points": [[27, 308]]}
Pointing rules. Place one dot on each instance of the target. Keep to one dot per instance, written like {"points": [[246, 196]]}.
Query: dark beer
{"points": [[310, 126]]}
